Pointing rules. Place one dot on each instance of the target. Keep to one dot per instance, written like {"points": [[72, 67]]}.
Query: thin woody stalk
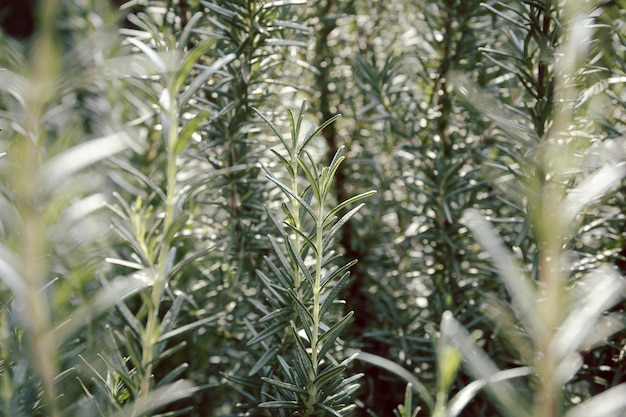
{"points": [[152, 331]]}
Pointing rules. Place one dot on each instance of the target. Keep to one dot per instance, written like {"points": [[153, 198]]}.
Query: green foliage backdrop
{"points": [[297, 208]]}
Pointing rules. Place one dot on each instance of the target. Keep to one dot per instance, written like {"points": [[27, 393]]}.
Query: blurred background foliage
{"points": [[149, 240]]}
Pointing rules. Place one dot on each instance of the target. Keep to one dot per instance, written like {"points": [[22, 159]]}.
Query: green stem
{"points": [[152, 331], [296, 216], [34, 268], [315, 331]]}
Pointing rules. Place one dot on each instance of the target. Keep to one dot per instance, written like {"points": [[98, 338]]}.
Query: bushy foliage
{"points": [[179, 237]]}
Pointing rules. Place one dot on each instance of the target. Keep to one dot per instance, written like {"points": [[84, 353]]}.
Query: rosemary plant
{"points": [[300, 314]]}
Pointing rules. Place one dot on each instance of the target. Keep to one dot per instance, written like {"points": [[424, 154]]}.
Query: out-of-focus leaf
{"points": [[111, 294], [460, 400], [590, 190], [188, 130], [158, 398], [203, 77], [610, 403], [9, 274], [516, 282], [83, 155], [394, 368], [482, 367], [188, 327], [605, 287]]}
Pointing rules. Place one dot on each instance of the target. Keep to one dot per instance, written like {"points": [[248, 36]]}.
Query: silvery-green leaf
{"points": [[399, 371], [607, 289], [9, 274], [482, 367], [108, 296], [467, 393], [590, 190], [610, 403], [517, 283], [157, 398], [83, 155]]}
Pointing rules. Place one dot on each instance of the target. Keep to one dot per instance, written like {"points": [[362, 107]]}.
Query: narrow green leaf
{"points": [[304, 314], [203, 77], [306, 239], [284, 263], [188, 130], [346, 203], [264, 359], [177, 225], [289, 217], [604, 288], [189, 327], [301, 350], [295, 255], [329, 378], [590, 190], [275, 222], [299, 368], [330, 410], [333, 294], [209, 175], [291, 25], [183, 41], [219, 10], [307, 195], [295, 127], [284, 385], [337, 226], [312, 164], [314, 133], [285, 42], [279, 314], [193, 256], [328, 339], [311, 178], [134, 324], [605, 327], [273, 127], [189, 60], [287, 190], [267, 333], [515, 21], [283, 3], [285, 163], [336, 273], [131, 345], [275, 287], [169, 320], [146, 23], [399, 371], [173, 374], [291, 405], [124, 230], [327, 179]]}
